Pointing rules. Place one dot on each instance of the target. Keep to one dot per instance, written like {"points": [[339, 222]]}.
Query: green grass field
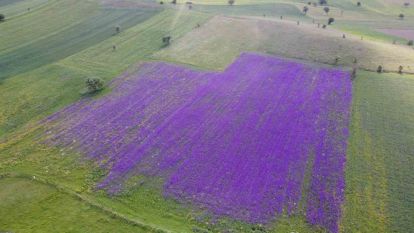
{"points": [[47, 52]]}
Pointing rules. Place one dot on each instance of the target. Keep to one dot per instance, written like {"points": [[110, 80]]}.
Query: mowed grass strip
{"points": [[54, 16], [21, 7], [380, 187], [90, 31]]}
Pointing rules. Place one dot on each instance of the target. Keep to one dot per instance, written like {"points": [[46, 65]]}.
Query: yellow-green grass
{"points": [[30, 206], [283, 38], [379, 177]]}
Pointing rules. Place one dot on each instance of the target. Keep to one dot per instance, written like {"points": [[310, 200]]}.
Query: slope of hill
{"points": [[49, 47]]}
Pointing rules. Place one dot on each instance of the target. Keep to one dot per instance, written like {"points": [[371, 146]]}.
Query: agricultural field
{"points": [[204, 116]]}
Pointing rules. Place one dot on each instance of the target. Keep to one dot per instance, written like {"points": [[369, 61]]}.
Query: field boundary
{"points": [[84, 199]]}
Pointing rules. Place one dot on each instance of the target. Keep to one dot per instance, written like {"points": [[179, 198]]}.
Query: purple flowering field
{"points": [[264, 137]]}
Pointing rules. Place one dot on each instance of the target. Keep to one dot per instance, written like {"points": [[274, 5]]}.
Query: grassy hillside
{"points": [[283, 38], [41, 208], [94, 27], [24, 96], [47, 52]]}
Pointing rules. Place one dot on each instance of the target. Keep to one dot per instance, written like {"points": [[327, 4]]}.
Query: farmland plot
{"points": [[265, 137]]}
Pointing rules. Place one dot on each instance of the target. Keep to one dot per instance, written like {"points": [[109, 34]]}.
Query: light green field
{"points": [[283, 38], [46, 54], [42, 208], [379, 178]]}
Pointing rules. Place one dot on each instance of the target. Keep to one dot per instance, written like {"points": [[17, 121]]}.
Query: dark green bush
{"points": [[94, 84]]}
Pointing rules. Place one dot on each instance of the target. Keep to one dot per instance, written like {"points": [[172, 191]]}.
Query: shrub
{"points": [[305, 9], [358, 3], [410, 43], [166, 40], [326, 9], [330, 21], [401, 16], [2, 17], [400, 69], [174, 2], [231, 2], [94, 84], [379, 69]]}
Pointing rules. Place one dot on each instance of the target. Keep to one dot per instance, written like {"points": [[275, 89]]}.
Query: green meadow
{"points": [[49, 47]]}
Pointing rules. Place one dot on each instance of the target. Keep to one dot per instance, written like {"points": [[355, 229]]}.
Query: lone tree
{"points": [[94, 84], [326, 9], [353, 74], [231, 2], [379, 69], [118, 29], [401, 16], [358, 3], [2, 17], [166, 40], [305, 9], [330, 21], [323, 2]]}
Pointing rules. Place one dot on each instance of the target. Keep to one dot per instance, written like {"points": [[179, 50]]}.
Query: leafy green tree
{"points": [[94, 84], [326, 9]]}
